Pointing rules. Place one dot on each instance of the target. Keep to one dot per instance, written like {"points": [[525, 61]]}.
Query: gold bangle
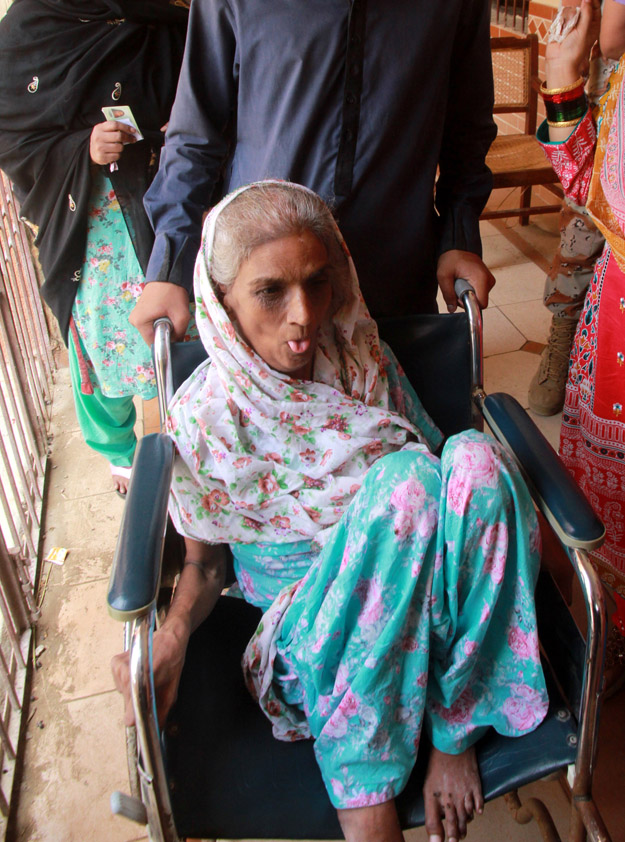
{"points": [[553, 91], [565, 125]]}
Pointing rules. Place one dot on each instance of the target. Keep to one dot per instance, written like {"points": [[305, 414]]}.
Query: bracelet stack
{"points": [[565, 106]]}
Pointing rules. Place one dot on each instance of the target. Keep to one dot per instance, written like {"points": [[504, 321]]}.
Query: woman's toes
{"points": [[433, 813], [478, 800], [452, 825]]}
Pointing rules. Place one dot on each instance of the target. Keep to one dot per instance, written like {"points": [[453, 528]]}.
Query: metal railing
{"points": [[26, 369], [511, 14]]}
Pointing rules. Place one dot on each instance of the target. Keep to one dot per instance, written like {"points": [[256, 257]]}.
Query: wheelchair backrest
{"points": [[434, 351]]}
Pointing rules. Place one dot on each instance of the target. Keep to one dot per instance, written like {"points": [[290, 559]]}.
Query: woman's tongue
{"points": [[299, 346]]}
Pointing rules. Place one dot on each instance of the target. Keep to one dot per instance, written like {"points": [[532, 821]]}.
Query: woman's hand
{"points": [[567, 60], [107, 141], [198, 589], [168, 652]]}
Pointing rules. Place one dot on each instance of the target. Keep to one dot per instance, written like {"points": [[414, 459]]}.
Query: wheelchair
{"points": [[215, 771]]}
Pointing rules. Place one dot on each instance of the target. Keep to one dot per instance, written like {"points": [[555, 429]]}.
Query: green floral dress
{"points": [[119, 362]]}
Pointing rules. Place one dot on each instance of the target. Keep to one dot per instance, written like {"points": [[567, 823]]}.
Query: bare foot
{"points": [[120, 484], [452, 793], [378, 823], [121, 478]]}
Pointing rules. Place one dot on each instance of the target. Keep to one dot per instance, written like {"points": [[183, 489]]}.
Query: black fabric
{"points": [[434, 350], [60, 63]]}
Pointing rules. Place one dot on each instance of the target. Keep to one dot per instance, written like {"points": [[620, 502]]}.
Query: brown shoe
{"points": [[546, 392]]}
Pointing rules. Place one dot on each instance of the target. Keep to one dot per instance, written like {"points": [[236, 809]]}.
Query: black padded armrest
{"points": [[553, 488], [135, 577]]}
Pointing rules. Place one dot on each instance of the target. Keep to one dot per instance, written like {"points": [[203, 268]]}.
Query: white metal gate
{"points": [[26, 369]]}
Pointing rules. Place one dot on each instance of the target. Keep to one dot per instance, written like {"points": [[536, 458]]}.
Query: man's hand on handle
{"points": [[157, 300], [456, 264]]}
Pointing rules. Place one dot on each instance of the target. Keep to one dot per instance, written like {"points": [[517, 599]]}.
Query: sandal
{"points": [[121, 471]]}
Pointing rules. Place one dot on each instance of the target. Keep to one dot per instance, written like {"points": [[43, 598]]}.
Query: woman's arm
{"points": [[200, 584], [612, 37], [566, 61], [570, 148]]}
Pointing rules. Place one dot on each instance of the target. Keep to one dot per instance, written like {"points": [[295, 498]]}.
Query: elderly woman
{"points": [[396, 585]]}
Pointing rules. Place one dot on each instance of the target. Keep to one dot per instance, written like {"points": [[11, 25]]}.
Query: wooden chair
{"points": [[516, 160]]}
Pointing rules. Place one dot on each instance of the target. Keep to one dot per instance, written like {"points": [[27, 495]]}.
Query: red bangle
{"points": [[562, 94]]}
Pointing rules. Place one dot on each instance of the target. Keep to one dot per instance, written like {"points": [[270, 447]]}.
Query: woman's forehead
{"points": [[296, 254]]}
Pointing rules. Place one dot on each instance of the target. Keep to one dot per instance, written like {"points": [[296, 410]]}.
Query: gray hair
{"points": [[268, 212]]}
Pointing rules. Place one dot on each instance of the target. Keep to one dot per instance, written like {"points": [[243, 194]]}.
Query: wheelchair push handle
{"points": [[163, 328], [467, 297], [463, 288]]}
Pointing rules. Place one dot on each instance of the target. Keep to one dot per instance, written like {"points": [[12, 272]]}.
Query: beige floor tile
{"points": [[64, 415], [517, 283], [86, 523], [81, 566], [497, 253], [500, 335], [78, 471], [510, 373], [543, 234], [531, 318], [80, 640], [73, 764]]}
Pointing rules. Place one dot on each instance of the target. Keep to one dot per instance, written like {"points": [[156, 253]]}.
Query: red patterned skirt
{"points": [[592, 439]]}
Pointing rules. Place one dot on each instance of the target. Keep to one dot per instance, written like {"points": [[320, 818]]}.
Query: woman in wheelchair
{"points": [[397, 585]]}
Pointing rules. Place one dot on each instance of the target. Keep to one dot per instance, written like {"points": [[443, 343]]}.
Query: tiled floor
{"points": [[75, 742]]}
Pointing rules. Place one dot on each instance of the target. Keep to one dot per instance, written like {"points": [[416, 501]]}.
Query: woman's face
{"points": [[279, 300]]}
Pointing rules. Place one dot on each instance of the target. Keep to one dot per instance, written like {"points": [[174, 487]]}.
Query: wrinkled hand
{"points": [[571, 57], [168, 653], [456, 264], [107, 141], [160, 299]]}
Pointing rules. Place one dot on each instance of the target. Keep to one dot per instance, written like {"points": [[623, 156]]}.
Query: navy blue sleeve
{"points": [[465, 181], [196, 145]]}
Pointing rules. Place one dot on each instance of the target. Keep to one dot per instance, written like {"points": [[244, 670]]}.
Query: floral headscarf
{"points": [[264, 457]]}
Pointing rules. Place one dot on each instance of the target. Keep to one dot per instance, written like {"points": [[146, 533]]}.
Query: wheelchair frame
{"points": [[150, 802]]}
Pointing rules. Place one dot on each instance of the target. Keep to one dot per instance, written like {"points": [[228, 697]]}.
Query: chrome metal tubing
{"points": [[155, 793], [466, 295], [593, 668], [586, 822], [162, 366]]}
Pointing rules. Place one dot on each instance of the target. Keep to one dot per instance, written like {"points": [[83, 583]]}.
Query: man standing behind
{"points": [[363, 102]]}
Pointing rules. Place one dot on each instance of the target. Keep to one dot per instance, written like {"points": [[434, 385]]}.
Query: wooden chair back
{"points": [[516, 159]]}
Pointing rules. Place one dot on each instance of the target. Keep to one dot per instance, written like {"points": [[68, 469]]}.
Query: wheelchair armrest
{"points": [[135, 577], [554, 490]]}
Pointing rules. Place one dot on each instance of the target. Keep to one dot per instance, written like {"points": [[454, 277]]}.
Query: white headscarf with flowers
{"points": [[263, 457]]}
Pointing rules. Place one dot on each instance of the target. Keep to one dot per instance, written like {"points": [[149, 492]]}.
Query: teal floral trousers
{"points": [[419, 609]]}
